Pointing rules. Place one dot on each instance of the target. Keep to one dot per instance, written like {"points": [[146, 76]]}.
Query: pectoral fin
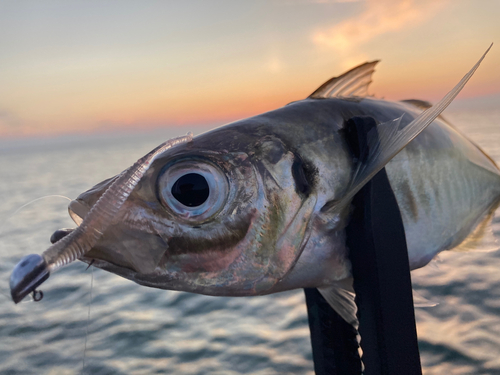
{"points": [[420, 301], [341, 298]]}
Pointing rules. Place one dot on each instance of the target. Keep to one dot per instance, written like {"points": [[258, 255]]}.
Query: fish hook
{"points": [[91, 263], [37, 295]]}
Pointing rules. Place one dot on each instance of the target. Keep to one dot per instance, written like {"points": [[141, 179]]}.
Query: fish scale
{"points": [[454, 188]]}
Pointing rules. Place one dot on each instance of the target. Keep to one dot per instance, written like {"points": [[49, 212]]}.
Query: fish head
{"points": [[226, 214]]}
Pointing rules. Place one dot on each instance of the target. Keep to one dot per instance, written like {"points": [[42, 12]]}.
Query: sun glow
{"points": [[83, 67]]}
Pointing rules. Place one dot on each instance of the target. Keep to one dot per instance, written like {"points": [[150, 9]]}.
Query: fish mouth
{"points": [[77, 211], [108, 253], [92, 258], [98, 256], [33, 269]]}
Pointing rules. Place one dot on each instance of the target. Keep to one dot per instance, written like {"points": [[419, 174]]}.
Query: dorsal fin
{"points": [[422, 104], [492, 166], [425, 105], [355, 82]]}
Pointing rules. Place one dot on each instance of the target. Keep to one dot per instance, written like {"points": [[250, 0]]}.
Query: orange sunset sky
{"points": [[83, 66]]}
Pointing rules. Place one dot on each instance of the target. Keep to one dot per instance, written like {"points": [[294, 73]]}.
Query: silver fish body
{"points": [[261, 205], [282, 168]]}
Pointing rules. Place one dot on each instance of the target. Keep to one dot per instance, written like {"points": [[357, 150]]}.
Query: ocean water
{"points": [[131, 329]]}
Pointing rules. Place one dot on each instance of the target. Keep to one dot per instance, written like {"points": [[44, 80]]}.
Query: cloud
{"points": [[379, 17]]}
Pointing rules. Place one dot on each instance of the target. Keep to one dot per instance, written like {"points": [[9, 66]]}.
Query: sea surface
{"points": [[131, 329]]}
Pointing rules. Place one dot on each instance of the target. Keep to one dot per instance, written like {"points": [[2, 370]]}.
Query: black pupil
{"points": [[191, 190]]}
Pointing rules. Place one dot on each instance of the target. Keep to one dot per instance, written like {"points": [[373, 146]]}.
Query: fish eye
{"points": [[191, 190], [195, 190]]}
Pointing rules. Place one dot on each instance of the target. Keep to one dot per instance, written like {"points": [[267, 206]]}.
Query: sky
{"points": [[73, 67]]}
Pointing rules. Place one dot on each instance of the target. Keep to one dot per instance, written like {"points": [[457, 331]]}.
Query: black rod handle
{"points": [[381, 272]]}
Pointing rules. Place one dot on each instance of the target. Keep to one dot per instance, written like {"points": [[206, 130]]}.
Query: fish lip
{"points": [[59, 234], [78, 209]]}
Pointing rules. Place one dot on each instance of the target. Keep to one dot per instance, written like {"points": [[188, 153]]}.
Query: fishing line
{"points": [[88, 317], [33, 201]]}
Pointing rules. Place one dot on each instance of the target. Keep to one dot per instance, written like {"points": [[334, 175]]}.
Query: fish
{"points": [[260, 206]]}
